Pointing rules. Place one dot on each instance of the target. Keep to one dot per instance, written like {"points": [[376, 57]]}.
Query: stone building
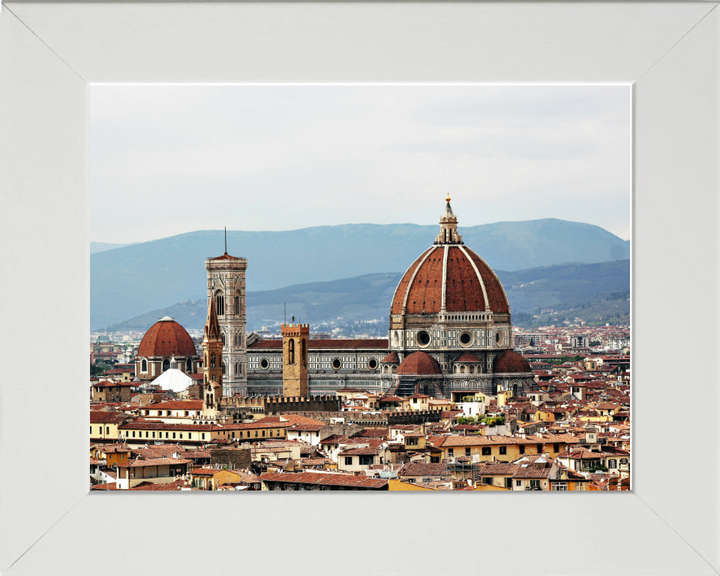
{"points": [[226, 286], [450, 335], [295, 359]]}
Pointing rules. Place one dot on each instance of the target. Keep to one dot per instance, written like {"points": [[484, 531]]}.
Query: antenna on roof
{"points": [[284, 313], [225, 239]]}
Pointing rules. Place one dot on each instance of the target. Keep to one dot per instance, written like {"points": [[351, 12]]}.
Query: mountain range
{"points": [[129, 281], [560, 288]]}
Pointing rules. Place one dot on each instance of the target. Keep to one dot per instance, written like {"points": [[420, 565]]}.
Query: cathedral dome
{"points": [[510, 362], [419, 364], [449, 277], [166, 338]]}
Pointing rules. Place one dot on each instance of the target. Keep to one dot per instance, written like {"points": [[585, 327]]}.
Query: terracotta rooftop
{"points": [[419, 363], [360, 343], [467, 357], [103, 417], [469, 284], [176, 405], [325, 479], [166, 338], [511, 362]]}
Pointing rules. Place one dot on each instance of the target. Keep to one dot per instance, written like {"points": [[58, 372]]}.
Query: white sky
{"points": [[165, 160]]}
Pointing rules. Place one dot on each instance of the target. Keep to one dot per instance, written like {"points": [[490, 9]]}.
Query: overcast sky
{"points": [[173, 159]]}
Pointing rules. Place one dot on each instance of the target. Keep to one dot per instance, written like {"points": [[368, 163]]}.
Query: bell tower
{"points": [[295, 359], [226, 287]]}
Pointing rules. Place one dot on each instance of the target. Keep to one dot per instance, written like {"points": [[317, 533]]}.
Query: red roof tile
{"points": [[325, 479], [419, 363], [391, 358], [360, 343], [468, 357], [165, 338], [421, 286], [509, 361], [226, 256]]}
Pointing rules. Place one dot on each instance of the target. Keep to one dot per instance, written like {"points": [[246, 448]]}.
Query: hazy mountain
{"points": [[128, 281], [560, 288], [96, 247]]}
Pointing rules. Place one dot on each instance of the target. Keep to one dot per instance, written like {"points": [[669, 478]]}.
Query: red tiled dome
{"points": [[391, 358], [510, 362], [166, 338], [469, 283], [420, 364]]}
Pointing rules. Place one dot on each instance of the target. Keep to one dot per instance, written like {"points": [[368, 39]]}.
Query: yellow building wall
{"points": [[512, 451], [395, 485], [491, 488]]}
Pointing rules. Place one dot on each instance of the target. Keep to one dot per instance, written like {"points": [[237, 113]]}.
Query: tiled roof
{"points": [[501, 468], [156, 487], [107, 384], [176, 405], [225, 256], [115, 449], [510, 362], [421, 287], [325, 479], [419, 363], [391, 358], [532, 471], [474, 440], [165, 338], [467, 357], [139, 463], [103, 417], [423, 469], [359, 343], [369, 451]]}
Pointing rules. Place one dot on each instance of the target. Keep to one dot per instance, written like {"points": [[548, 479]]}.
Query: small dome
{"points": [[509, 362], [391, 358], [467, 357], [173, 379], [166, 338], [420, 364]]}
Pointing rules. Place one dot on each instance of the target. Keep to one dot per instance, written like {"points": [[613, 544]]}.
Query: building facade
{"points": [[450, 335], [226, 286]]}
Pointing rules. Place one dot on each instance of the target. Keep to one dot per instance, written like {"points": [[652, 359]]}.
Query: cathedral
{"points": [[450, 334]]}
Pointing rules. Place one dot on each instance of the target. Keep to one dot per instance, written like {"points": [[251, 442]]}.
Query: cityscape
{"points": [[444, 394]]}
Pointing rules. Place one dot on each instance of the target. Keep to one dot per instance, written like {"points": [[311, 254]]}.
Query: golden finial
{"points": [[448, 197]]}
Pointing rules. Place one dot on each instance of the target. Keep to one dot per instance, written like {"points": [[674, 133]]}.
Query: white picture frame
{"points": [[50, 53]]}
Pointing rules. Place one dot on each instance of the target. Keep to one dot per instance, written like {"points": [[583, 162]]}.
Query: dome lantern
{"points": [[448, 227]]}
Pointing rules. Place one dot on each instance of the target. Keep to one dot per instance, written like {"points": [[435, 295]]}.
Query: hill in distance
{"points": [[594, 290], [128, 281]]}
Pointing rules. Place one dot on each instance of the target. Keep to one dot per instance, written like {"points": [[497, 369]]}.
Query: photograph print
{"points": [[360, 287]]}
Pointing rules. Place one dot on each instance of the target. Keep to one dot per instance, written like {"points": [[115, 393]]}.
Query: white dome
{"points": [[173, 379]]}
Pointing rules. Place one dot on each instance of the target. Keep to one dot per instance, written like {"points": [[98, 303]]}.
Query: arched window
{"points": [[143, 365], [291, 351], [222, 337], [223, 368], [220, 304], [166, 364], [188, 365], [304, 352], [237, 304], [212, 360]]}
